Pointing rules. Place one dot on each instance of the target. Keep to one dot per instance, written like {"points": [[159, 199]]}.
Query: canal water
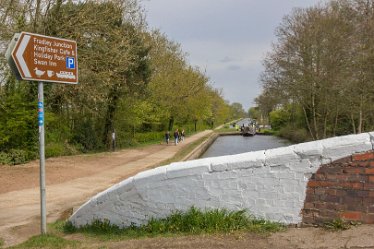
{"points": [[230, 145]]}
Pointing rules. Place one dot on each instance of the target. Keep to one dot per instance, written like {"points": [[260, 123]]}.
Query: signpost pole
{"points": [[43, 214]]}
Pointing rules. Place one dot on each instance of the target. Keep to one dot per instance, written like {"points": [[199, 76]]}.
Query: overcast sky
{"points": [[227, 38]]}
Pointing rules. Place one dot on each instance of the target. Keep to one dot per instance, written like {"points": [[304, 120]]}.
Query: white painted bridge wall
{"points": [[270, 184]]}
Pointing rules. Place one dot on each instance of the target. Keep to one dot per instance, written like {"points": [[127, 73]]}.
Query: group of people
{"points": [[178, 136]]}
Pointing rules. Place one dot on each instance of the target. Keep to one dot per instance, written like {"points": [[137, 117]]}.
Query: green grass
{"points": [[54, 239], [338, 225], [1, 243], [194, 221], [226, 129], [57, 226], [47, 241]]}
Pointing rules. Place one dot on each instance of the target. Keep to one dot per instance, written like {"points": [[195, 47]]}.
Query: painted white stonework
{"points": [[269, 184]]}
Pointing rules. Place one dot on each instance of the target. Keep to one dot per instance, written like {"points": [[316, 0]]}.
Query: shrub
{"points": [[5, 158], [86, 136], [149, 137], [18, 156], [279, 118], [295, 135], [54, 149]]}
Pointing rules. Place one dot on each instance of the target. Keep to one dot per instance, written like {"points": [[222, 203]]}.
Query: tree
{"points": [[175, 87], [130, 79], [237, 111], [113, 59], [322, 65]]}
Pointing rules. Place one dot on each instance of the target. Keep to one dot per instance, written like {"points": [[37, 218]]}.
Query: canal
{"points": [[230, 145]]}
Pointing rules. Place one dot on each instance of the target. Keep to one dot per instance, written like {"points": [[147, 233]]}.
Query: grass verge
{"points": [[47, 241], [225, 130], [194, 221]]}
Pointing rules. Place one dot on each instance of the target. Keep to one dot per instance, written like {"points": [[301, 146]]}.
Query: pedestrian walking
{"points": [[167, 137], [176, 136], [114, 141], [182, 135]]}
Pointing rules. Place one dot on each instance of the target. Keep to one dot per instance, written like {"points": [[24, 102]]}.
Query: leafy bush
{"points": [[86, 136], [54, 149], [19, 156], [15, 156], [18, 126], [279, 118], [294, 135], [149, 137], [5, 158]]}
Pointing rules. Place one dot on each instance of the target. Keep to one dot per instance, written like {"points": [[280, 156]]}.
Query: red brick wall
{"points": [[342, 189]]}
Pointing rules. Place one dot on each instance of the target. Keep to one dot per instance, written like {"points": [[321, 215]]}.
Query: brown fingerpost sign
{"points": [[43, 58]]}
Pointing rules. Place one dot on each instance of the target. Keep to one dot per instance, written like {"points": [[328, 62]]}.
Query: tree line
{"points": [[133, 81], [318, 79]]}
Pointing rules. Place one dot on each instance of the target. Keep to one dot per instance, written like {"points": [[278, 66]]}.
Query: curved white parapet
{"points": [[270, 184]]}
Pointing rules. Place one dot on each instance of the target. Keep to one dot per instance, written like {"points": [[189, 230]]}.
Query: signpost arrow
{"points": [[19, 55]]}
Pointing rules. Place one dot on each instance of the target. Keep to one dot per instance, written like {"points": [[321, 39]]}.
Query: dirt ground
{"points": [[73, 180]]}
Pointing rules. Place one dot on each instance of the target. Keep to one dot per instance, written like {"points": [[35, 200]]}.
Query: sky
{"points": [[228, 39]]}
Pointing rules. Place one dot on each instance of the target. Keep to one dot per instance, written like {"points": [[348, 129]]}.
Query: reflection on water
{"points": [[230, 145]]}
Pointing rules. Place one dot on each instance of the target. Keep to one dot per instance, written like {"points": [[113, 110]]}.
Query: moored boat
{"points": [[248, 131]]}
